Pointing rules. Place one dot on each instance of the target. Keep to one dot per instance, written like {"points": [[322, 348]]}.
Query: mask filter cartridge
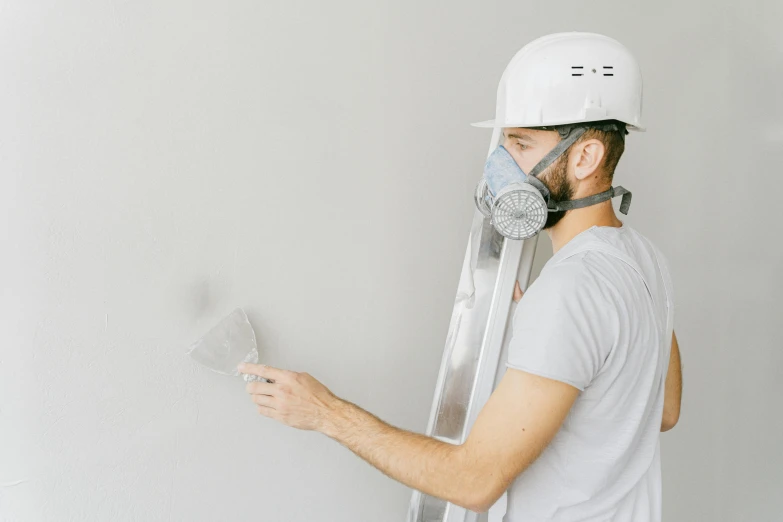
{"points": [[516, 208]]}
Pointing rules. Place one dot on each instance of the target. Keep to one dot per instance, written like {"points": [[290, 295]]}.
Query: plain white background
{"points": [[164, 162]]}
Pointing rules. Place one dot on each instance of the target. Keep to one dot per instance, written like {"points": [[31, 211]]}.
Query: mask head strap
{"points": [[540, 186], [569, 133], [568, 136], [625, 203]]}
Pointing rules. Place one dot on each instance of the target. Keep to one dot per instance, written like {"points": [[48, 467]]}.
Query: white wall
{"points": [[163, 162]]}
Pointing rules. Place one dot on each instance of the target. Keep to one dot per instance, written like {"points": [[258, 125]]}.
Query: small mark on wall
{"points": [[200, 297]]}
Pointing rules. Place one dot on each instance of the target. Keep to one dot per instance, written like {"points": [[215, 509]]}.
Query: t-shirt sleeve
{"points": [[562, 327]]}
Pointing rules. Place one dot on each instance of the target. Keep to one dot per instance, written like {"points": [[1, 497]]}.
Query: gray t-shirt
{"points": [[599, 317]]}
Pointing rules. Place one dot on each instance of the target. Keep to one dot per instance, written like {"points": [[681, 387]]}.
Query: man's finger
{"points": [[261, 388], [518, 293], [264, 400], [267, 412], [262, 370]]}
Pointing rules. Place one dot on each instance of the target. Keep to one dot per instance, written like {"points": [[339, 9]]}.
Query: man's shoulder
{"points": [[625, 238], [583, 264], [564, 278]]}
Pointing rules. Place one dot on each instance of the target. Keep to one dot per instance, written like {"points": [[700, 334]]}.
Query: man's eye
{"points": [[522, 146]]}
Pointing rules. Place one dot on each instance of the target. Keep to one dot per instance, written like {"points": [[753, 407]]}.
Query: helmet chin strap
{"points": [[568, 136]]}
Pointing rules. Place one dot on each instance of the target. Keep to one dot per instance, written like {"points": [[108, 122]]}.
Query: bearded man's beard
{"points": [[556, 180]]}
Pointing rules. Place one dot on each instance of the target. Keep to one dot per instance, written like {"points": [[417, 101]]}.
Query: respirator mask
{"points": [[517, 203]]}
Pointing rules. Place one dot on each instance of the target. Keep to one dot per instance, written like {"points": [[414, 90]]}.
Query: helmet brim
{"points": [[490, 124]]}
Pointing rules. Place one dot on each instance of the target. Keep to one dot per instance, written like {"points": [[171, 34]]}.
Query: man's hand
{"points": [[295, 399]]}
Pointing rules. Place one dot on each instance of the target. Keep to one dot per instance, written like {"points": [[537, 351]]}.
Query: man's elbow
{"points": [[480, 482], [480, 499], [478, 505], [669, 420]]}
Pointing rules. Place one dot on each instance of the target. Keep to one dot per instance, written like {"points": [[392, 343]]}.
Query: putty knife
{"points": [[227, 344]]}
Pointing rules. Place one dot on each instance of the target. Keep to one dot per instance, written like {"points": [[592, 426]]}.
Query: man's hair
{"points": [[614, 143]]}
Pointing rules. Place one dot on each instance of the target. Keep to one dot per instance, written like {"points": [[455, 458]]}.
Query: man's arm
{"points": [[521, 417], [673, 393]]}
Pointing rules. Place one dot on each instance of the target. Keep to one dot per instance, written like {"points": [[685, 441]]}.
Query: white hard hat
{"points": [[569, 77]]}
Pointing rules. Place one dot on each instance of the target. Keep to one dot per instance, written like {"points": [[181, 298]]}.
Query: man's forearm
{"points": [[672, 398], [507, 437], [420, 462]]}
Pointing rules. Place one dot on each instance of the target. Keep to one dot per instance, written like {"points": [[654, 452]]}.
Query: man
{"points": [[572, 429]]}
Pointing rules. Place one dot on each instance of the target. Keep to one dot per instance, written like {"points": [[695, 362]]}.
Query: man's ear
{"points": [[588, 158]]}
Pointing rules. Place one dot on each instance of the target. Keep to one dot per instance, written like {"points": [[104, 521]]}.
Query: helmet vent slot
{"points": [[576, 70], [610, 71]]}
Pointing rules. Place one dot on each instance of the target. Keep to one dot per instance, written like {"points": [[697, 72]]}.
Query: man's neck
{"points": [[577, 221]]}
